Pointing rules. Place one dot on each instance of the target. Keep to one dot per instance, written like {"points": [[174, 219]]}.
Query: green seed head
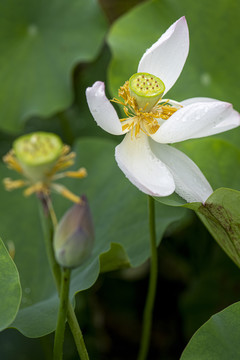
{"points": [[147, 89], [37, 153]]}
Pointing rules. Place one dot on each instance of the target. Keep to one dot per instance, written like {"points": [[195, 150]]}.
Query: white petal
{"points": [[190, 183], [166, 58], [197, 120], [197, 99], [102, 110], [142, 167]]}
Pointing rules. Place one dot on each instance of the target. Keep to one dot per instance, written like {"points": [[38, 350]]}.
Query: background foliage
{"points": [[49, 54]]}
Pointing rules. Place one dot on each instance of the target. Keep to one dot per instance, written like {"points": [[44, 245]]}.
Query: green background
{"points": [[49, 54]]}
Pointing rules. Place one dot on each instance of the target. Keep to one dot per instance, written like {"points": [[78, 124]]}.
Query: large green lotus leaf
{"points": [[231, 136], [212, 68], [221, 216], [40, 43], [218, 338], [10, 288], [121, 227]]}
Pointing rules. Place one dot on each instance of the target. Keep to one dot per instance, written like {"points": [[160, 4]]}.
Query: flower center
{"points": [[37, 153], [147, 90], [141, 104], [39, 157], [37, 148]]}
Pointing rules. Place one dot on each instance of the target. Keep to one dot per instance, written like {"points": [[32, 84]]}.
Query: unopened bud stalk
{"points": [[74, 236]]}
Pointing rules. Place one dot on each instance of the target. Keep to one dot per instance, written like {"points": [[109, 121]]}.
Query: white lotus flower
{"points": [[151, 122]]}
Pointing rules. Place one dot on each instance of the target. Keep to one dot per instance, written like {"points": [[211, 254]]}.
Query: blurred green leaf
{"points": [[116, 8], [76, 121], [121, 227], [12, 342], [221, 215], [171, 200], [218, 160], [212, 68], [41, 42], [10, 288], [114, 258], [218, 338], [213, 284]]}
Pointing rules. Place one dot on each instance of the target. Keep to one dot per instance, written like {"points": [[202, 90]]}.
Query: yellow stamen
{"points": [[51, 211], [66, 193], [63, 165], [141, 119], [14, 184], [124, 127], [65, 160], [81, 173], [35, 188], [11, 162], [44, 184], [65, 150]]}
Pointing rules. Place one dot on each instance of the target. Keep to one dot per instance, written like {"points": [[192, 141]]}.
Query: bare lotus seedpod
{"points": [[74, 235], [37, 153], [40, 158], [147, 89]]}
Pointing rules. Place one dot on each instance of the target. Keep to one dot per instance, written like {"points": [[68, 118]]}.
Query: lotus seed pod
{"points": [[37, 153], [147, 89], [74, 236]]}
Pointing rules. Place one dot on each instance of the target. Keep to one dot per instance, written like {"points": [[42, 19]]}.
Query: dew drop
{"points": [[205, 79], [32, 30]]}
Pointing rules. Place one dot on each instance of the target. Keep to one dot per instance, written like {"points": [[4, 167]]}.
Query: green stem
{"points": [[62, 315], [48, 229], [148, 310], [77, 333]]}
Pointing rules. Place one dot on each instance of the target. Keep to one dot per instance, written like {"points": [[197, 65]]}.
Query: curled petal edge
{"points": [[102, 110]]}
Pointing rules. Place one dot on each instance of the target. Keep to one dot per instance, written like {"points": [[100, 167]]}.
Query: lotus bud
{"points": [[74, 235]]}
